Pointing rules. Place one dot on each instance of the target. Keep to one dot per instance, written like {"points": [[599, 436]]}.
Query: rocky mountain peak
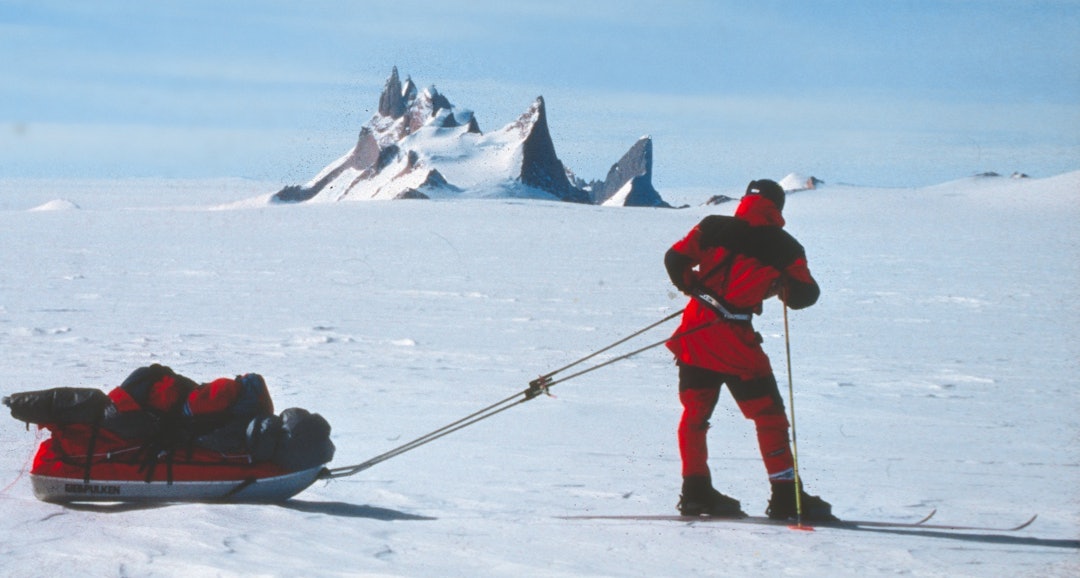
{"points": [[392, 101], [417, 146]]}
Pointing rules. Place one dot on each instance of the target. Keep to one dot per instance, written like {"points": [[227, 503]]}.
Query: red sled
{"points": [[162, 438], [125, 475]]}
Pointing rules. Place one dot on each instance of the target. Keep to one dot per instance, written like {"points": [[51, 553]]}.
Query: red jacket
{"points": [[740, 261]]}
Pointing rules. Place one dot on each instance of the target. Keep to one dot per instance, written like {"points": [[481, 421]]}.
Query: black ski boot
{"points": [[699, 498], [782, 505]]}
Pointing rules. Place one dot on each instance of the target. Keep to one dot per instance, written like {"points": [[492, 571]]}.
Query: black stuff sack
{"points": [[303, 441], [262, 437], [59, 406]]}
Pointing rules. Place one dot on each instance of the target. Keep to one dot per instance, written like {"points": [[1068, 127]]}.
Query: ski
{"points": [[762, 520], [883, 524], [957, 527]]}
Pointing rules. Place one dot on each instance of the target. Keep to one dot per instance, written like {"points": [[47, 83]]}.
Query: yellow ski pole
{"points": [[794, 438]]}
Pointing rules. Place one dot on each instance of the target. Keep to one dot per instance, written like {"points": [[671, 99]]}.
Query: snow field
{"points": [[937, 371]]}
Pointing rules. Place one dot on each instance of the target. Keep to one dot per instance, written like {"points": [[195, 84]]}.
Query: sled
{"points": [[248, 490], [197, 476], [160, 437]]}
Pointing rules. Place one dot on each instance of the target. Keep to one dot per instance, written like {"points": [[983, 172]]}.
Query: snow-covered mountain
{"points": [[418, 147]]}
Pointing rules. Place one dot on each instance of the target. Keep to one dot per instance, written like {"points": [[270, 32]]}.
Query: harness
{"points": [[717, 306], [716, 303]]}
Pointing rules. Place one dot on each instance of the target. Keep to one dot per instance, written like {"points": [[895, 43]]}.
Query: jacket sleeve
{"points": [[778, 250], [681, 259], [799, 290], [681, 270]]}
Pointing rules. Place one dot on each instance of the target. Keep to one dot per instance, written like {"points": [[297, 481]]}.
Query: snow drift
{"points": [[56, 205]]}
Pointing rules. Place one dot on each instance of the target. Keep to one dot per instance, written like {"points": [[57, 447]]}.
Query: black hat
{"points": [[769, 189]]}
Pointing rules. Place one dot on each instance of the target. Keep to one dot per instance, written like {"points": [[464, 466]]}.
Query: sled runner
{"points": [[161, 437], [252, 489]]}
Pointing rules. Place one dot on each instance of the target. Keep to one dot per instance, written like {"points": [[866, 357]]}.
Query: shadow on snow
{"points": [[341, 509], [986, 538], [347, 510]]}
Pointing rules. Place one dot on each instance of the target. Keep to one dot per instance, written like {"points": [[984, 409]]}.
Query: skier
{"points": [[729, 265]]}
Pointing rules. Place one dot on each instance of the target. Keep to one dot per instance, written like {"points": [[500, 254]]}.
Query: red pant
{"points": [[758, 399]]}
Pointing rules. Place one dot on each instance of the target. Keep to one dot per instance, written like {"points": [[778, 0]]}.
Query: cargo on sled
{"points": [[162, 437]]}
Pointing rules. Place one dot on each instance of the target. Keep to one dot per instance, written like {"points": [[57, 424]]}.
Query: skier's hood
{"points": [[759, 211]]}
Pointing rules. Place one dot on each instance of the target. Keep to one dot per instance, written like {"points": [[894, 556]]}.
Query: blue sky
{"points": [[893, 93]]}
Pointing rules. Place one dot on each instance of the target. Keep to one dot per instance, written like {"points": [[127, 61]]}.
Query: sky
{"points": [[886, 93]]}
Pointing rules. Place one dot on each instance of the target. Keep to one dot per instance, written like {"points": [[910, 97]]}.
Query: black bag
{"points": [[304, 441], [262, 437], [60, 405]]}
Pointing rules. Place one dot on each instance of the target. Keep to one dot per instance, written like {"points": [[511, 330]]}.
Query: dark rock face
{"points": [[392, 101], [367, 150], [411, 194], [429, 106], [540, 166], [293, 194], [635, 168], [365, 154], [718, 200]]}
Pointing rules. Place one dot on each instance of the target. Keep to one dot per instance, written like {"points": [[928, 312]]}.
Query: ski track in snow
{"points": [[937, 371]]}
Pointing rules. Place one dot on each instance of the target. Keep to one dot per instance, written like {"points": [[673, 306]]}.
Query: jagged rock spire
{"points": [[540, 166], [392, 102], [633, 169]]}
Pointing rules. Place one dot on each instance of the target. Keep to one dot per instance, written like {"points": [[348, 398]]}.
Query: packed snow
{"points": [[939, 370]]}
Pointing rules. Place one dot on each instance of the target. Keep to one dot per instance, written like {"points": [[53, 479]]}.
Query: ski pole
{"points": [[794, 438]]}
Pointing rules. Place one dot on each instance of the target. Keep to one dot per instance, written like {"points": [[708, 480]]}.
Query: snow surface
{"points": [[939, 370]]}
